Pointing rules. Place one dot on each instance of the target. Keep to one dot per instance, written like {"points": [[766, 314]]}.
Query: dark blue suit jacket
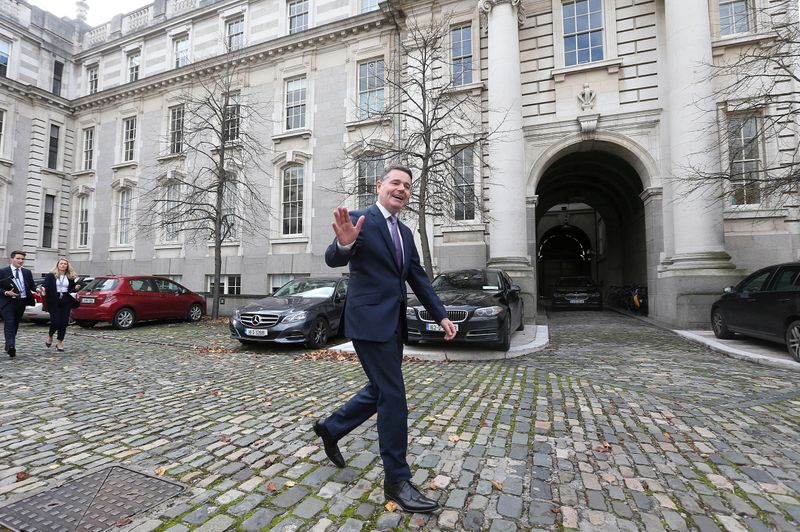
{"points": [[27, 276], [51, 291], [376, 291]]}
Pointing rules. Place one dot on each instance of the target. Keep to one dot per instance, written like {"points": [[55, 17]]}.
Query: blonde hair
{"points": [[70, 272]]}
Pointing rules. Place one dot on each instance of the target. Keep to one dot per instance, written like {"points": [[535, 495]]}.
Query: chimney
{"points": [[81, 7]]}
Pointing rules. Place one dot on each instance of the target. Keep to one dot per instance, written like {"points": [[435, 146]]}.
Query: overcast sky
{"points": [[100, 11]]}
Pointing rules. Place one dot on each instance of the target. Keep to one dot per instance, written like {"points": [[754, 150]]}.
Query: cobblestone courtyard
{"points": [[616, 426]]}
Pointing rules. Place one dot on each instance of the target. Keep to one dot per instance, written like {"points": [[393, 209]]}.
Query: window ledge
{"points": [[473, 88], [612, 65], [465, 226], [229, 145], [173, 245], [126, 164], [372, 121], [51, 171], [740, 39], [79, 251], [734, 212], [6, 162], [226, 244], [289, 239], [292, 133], [170, 157], [80, 173], [120, 248]]}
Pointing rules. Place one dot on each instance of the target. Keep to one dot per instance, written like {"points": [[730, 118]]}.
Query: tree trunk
{"points": [[427, 262], [217, 248]]}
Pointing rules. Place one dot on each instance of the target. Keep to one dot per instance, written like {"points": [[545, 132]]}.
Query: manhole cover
{"points": [[95, 502]]}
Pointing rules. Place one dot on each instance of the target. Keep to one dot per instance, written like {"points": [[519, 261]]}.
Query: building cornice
{"points": [[34, 93]]}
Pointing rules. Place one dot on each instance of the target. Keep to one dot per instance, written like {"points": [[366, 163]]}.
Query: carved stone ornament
{"points": [[586, 98], [485, 6]]}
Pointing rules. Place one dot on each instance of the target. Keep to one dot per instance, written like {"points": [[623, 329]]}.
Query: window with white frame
{"points": [[134, 60], [52, 147], [91, 78], [129, 139], [48, 221], [176, 129], [734, 17], [583, 31], [745, 159], [296, 103], [171, 212], [234, 33], [58, 75], [5, 54], [88, 148], [180, 51], [230, 117], [371, 81], [124, 212], [464, 183], [298, 15], [461, 55], [230, 195], [229, 285], [369, 5], [277, 280], [292, 200], [2, 130], [368, 171], [82, 222]]}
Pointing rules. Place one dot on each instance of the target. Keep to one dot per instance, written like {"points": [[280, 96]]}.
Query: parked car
{"points": [[483, 304], [124, 300], [303, 311], [36, 313], [765, 305], [577, 291]]}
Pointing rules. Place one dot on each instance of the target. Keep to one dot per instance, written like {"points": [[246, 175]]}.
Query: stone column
{"points": [[508, 240]]}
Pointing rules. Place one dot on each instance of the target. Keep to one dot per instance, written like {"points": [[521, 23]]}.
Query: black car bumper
{"points": [[579, 302], [281, 333], [473, 330]]}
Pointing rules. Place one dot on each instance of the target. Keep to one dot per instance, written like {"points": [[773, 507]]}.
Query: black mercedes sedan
{"points": [[765, 305], [303, 311], [578, 291], [483, 304]]}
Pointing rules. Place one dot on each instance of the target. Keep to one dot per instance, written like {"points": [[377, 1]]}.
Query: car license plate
{"points": [[87, 300], [256, 332], [437, 327]]}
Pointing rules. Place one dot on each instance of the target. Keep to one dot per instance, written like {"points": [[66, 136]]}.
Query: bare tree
{"points": [[215, 152], [427, 115]]}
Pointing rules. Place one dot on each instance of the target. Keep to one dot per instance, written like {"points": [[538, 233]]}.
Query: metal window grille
{"points": [[292, 200], [129, 139], [461, 52], [234, 30], [371, 81], [368, 171], [134, 59], [734, 17], [583, 31], [176, 129], [296, 103], [745, 158], [464, 176], [298, 16], [88, 148]]}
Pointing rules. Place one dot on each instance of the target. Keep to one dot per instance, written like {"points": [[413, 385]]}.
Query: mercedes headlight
{"points": [[295, 316]]}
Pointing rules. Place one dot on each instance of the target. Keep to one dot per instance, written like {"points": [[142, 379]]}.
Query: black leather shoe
{"points": [[409, 498], [12, 351], [331, 449]]}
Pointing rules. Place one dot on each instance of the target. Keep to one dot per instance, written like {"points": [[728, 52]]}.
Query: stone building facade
{"points": [[597, 106]]}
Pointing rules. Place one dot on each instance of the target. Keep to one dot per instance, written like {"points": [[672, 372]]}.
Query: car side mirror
{"points": [[515, 289], [729, 290]]}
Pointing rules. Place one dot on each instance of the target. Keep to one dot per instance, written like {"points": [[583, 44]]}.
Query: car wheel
{"points": [[521, 318], [720, 325], [124, 318], [504, 344], [318, 335], [195, 312], [85, 324], [793, 339]]}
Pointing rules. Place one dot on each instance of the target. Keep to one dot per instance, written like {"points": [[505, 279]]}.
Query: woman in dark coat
{"points": [[58, 284]]}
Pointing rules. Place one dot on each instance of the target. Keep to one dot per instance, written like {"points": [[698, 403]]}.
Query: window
{"points": [[733, 17], [168, 286], [234, 33], [134, 60], [583, 31], [230, 285], [125, 198], [367, 172], [743, 147], [58, 74], [230, 230], [464, 176], [2, 129], [176, 129], [296, 103], [461, 55], [52, 147], [298, 16], [128, 138], [171, 212], [49, 218], [292, 200], [5, 51], [230, 117], [369, 5], [277, 280], [83, 222], [88, 148], [755, 283], [180, 50], [370, 88], [91, 79], [787, 280]]}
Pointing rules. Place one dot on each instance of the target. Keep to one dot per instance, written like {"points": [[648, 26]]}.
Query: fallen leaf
{"points": [[555, 510], [605, 444], [289, 483], [22, 475], [216, 393], [122, 521], [645, 485], [271, 487], [225, 438], [454, 438], [432, 485], [497, 485], [160, 471], [139, 394], [390, 506], [483, 423], [600, 449]]}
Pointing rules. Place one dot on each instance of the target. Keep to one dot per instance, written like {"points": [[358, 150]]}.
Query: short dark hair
{"points": [[397, 167], [17, 252]]}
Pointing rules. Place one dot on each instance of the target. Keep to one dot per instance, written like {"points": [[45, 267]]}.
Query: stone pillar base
{"points": [[523, 274], [684, 296], [709, 260]]}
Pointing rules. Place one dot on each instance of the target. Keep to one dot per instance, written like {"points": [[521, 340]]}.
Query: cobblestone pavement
{"points": [[616, 426]]}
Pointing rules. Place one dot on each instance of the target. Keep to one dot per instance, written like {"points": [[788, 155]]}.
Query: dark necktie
{"points": [[398, 247], [20, 286]]}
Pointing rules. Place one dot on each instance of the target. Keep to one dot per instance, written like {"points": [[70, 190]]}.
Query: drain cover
{"points": [[95, 502]]}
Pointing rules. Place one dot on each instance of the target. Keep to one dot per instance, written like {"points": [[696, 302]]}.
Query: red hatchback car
{"points": [[125, 299]]}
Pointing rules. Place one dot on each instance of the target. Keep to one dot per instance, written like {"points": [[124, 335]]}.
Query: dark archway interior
{"points": [[590, 199]]}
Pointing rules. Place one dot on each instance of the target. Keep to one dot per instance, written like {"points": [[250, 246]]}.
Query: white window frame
{"points": [[128, 137], [610, 53], [175, 145], [171, 232], [295, 103], [295, 220], [124, 216], [59, 145], [88, 149], [466, 188], [53, 244], [759, 161], [369, 94], [82, 224], [229, 24], [749, 18], [7, 55], [231, 127], [133, 71], [3, 122], [294, 17], [365, 6], [180, 59], [369, 169], [457, 59], [92, 78], [230, 206], [230, 284]]}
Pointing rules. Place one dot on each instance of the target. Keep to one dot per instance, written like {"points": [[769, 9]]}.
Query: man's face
{"points": [[17, 260], [394, 190]]}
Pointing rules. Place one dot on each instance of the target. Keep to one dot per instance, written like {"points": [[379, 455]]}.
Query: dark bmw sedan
{"points": [[304, 311], [765, 305], [578, 291], [483, 304]]}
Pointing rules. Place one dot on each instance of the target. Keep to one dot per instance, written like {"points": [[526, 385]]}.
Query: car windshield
{"points": [[575, 282], [102, 285], [468, 280], [307, 288]]}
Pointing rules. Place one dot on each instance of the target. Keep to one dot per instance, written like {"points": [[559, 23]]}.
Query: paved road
{"points": [[616, 426]]}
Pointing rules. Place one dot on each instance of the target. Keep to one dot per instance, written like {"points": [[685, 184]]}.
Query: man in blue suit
{"points": [[15, 294], [382, 257]]}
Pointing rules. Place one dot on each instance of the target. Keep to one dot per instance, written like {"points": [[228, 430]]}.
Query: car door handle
{"points": [[784, 300]]}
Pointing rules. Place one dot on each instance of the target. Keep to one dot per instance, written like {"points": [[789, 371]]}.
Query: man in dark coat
{"points": [[16, 293]]}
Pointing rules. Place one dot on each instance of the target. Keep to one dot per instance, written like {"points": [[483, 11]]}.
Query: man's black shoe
{"points": [[12, 351], [331, 449], [409, 498]]}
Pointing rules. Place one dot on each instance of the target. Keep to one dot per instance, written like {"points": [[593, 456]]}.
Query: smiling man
{"points": [[382, 257]]}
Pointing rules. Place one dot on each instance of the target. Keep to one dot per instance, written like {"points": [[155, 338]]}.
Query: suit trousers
{"points": [[59, 315], [12, 315], [385, 393]]}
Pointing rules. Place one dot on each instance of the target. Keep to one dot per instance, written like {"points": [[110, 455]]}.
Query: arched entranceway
{"points": [[590, 220]]}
